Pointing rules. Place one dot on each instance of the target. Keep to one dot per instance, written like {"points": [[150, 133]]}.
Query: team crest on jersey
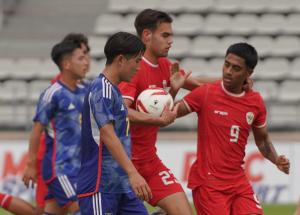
{"points": [[249, 118]]}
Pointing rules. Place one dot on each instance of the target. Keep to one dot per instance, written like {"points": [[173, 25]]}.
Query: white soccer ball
{"points": [[153, 101]]}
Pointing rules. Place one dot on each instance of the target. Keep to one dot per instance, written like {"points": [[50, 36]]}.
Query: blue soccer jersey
{"points": [[99, 171], [59, 110]]}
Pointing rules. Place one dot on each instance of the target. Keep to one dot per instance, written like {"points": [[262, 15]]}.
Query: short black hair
{"points": [[78, 38], [150, 19], [61, 50], [245, 51], [122, 43]]}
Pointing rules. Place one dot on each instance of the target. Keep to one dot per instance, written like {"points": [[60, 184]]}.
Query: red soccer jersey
{"points": [[149, 75], [224, 123]]}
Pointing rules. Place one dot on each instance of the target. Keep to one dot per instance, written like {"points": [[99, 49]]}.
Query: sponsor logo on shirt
{"points": [[222, 113], [71, 106], [249, 117]]}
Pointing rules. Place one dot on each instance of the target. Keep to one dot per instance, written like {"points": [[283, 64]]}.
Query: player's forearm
{"points": [[268, 151], [116, 149], [142, 118], [34, 142]]}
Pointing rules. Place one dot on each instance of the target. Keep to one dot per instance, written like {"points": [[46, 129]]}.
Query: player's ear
{"points": [[119, 59], [65, 64], [146, 35]]}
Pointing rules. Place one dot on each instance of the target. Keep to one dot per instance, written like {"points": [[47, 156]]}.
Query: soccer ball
{"points": [[153, 101]]}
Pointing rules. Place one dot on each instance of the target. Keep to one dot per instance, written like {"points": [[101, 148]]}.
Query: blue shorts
{"points": [[62, 189], [112, 204]]}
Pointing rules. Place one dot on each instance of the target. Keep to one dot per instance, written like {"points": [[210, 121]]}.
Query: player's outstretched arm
{"points": [[177, 79], [167, 117], [265, 146], [30, 173], [112, 142]]}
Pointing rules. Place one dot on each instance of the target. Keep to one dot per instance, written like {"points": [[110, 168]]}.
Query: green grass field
{"points": [[269, 209]]}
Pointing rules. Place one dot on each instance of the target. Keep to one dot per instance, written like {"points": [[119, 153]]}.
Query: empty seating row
{"points": [[216, 24], [225, 6]]}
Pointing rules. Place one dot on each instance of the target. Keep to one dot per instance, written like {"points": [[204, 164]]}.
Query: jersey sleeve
{"points": [[129, 89], [45, 109], [102, 109], [261, 118], [195, 99]]}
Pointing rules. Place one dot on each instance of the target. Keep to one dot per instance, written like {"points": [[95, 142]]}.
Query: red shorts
{"points": [[41, 187], [224, 199], [160, 179]]}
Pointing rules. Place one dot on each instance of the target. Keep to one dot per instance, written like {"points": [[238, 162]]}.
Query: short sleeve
{"points": [[45, 109], [195, 99], [261, 118], [129, 89], [102, 109]]}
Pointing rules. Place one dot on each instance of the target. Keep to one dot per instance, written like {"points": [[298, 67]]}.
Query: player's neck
{"points": [[111, 74], [150, 57], [70, 82]]}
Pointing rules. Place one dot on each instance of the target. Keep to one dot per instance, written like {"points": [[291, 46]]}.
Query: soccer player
{"points": [[108, 182], [16, 205], [59, 115], [155, 30], [41, 188], [226, 114]]}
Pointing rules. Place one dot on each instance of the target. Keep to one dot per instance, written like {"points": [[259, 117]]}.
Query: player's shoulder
{"points": [[253, 94], [51, 91], [164, 61], [102, 86]]}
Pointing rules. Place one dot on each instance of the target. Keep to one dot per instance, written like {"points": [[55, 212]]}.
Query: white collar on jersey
{"points": [[232, 94], [148, 62]]}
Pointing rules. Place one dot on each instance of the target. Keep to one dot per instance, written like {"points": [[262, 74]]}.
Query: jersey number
{"points": [[234, 133], [166, 177], [127, 126]]}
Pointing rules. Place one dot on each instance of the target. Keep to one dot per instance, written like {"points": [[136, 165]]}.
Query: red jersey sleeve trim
{"points": [[128, 97], [261, 126], [187, 105]]}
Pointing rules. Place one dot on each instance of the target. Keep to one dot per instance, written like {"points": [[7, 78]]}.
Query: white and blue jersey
{"points": [[99, 171], [59, 110]]}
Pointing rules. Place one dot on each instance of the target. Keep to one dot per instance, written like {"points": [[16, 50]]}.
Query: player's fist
{"points": [[283, 164], [30, 176], [140, 186]]}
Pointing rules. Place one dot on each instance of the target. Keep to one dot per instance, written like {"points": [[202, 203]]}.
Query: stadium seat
{"points": [[6, 115], [272, 69], [199, 6], [295, 69], [279, 6], [21, 116], [120, 6], [215, 67], [196, 65], [254, 6], [227, 6], [16, 90], [36, 88], [48, 70], [140, 5], [284, 116], [292, 24], [204, 46], [108, 24], [26, 68], [286, 46], [187, 24], [128, 24], [225, 42], [289, 91], [263, 44], [7, 66], [171, 6], [243, 24], [97, 46], [267, 89], [270, 24], [180, 47], [217, 24]]}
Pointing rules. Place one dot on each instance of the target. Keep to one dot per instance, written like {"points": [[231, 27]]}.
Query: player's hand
{"points": [[283, 164], [30, 176], [168, 116], [248, 85], [177, 78], [140, 186]]}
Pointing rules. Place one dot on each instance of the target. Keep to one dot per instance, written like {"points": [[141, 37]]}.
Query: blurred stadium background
{"points": [[203, 30]]}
